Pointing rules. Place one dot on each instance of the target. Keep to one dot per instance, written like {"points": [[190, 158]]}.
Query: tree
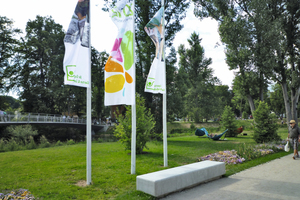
{"points": [[181, 84], [292, 33], [265, 32], [224, 96], [98, 64], [281, 47], [265, 124], [276, 100], [241, 33], [144, 126], [11, 104], [200, 96], [174, 99], [37, 66], [8, 43], [246, 90], [36, 71], [228, 122]]}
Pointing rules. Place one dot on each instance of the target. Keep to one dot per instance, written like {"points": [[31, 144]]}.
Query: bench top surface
{"points": [[177, 171]]}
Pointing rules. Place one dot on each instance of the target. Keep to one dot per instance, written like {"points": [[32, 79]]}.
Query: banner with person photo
{"points": [[77, 57], [156, 81]]}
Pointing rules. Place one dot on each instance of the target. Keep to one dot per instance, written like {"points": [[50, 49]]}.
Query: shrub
{"points": [[99, 140], [265, 126], [31, 144], [228, 122], [157, 136], [2, 145], [245, 115], [12, 145], [58, 143], [70, 142], [193, 127], [144, 126], [110, 130], [22, 133], [44, 142]]}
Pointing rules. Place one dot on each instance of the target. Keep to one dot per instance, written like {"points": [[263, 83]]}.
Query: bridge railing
{"points": [[37, 117]]}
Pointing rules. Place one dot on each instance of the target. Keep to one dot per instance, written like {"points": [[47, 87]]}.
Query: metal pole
{"points": [[88, 115], [88, 139], [133, 107], [164, 97]]}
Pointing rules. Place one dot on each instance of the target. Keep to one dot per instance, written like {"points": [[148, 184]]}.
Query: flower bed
{"points": [[18, 194], [244, 153], [229, 157]]}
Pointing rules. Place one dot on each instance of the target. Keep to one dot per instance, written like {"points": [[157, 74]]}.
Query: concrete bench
{"points": [[164, 182]]}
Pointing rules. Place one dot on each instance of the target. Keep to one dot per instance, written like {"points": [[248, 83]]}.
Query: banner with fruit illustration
{"points": [[76, 62], [119, 72], [156, 81]]}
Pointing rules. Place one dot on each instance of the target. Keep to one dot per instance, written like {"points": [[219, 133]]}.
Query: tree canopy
{"points": [[262, 41]]}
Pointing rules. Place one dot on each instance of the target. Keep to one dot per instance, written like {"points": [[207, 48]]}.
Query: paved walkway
{"points": [[277, 179]]}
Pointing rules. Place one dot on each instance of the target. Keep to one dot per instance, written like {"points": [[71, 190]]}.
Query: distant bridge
{"points": [[48, 119]]}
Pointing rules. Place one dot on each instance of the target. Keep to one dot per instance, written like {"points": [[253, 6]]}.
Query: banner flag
{"points": [[119, 72], [156, 81], [77, 53]]}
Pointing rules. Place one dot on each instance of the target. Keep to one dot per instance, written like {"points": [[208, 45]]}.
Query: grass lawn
{"points": [[52, 173]]}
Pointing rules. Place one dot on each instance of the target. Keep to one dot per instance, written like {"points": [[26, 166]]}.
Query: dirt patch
{"points": [[199, 125], [186, 125], [81, 183]]}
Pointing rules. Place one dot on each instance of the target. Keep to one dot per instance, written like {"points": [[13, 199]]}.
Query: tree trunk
{"points": [[286, 103], [241, 110], [261, 93], [251, 103], [295, 98]]}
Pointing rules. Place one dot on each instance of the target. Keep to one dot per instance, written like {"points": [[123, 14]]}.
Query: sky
{"points": [[103, 31]]}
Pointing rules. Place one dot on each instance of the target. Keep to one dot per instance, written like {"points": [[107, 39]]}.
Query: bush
{"points": [[99, 140], [44, 142], [245, 115], [193, 127], [70, 142], [12, 145], [228, 122], [31, 144], [110, 130], [265, 126], [144, 126], [2, 145], [58, 143], [22, 133]]}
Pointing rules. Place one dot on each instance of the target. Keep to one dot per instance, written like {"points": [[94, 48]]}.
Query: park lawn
{"points": [[52, 173]]}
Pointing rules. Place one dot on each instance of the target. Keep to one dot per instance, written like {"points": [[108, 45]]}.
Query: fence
{"points": [[37, 117]]}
